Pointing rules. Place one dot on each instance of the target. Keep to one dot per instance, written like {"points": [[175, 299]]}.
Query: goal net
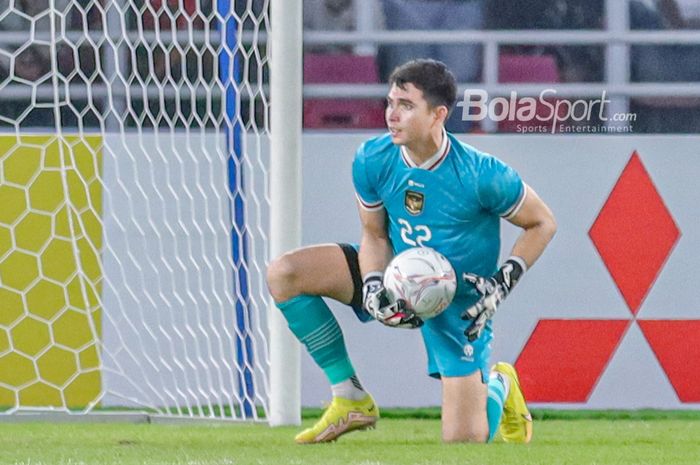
{"points": [[133, 207]]}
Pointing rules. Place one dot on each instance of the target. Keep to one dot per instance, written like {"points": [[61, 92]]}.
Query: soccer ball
{"points": [[422, 277]]}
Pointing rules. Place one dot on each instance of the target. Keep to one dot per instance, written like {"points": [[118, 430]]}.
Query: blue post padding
{"points": [[230, 74]]}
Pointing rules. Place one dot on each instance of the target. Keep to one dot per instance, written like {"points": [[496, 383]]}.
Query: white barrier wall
{"points": [[608, 318]]}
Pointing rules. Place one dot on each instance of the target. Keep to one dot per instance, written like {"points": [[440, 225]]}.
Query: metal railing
{"points": [[491, 40]]}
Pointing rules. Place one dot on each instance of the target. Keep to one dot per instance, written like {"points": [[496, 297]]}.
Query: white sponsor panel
{"points": [[574, 175]]}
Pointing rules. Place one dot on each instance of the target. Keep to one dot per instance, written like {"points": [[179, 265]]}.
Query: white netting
{"points": [[133, 208]]}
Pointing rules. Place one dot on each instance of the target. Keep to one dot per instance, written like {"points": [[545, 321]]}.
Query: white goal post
{"points": [[145, 182], [285, 220]]}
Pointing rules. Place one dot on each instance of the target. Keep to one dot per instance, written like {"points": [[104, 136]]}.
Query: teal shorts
{"points": [[448, 350]]}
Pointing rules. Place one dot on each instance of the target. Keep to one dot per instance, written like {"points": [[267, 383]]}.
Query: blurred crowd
{"points": [[569, 63], [165, 62]]}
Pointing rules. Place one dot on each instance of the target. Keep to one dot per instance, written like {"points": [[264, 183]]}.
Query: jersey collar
{"points": [[435, 160]]}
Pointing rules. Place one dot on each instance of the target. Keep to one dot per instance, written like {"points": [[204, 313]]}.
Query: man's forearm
{"points": [[375, 253], [532, 242]]}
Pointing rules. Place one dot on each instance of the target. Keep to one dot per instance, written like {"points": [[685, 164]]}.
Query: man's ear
{"points": [[441, 113]]}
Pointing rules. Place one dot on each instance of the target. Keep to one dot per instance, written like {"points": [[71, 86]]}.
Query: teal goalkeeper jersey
{"points": [[453, 202]]}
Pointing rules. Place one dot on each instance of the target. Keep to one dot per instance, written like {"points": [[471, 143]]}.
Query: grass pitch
{"points": [[396, 441]]}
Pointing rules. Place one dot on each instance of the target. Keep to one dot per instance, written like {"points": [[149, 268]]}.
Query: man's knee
{"points": [[282, 278], [468, 435], [464, 417]]}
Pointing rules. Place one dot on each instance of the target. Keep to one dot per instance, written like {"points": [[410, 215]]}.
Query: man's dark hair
{"points": [[431, 77]]}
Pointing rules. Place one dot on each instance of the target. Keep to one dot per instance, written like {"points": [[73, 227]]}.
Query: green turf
{"points": [[395, 441], [433, 413]]}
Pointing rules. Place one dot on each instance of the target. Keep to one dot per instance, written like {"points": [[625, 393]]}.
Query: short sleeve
{"points": [[365, 189], [500, 189]]}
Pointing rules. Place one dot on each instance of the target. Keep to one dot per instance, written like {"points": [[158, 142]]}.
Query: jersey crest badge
{"points": [[413, 202]]}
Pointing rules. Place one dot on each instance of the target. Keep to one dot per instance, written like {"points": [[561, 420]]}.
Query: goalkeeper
{"points": [[417, 185]]}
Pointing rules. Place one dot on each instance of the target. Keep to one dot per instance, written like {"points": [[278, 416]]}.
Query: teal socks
{"points": [[313, 323], [498, 391]]}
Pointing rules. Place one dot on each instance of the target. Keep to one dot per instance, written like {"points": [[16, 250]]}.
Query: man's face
{"points": [[409, 117]]}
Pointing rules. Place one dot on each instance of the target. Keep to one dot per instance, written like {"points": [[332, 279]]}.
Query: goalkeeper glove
{"points": [[375, 300], [493, 291]]}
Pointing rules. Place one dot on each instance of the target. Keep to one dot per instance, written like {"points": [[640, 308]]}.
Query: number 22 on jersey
{"points": [[414, 235]]}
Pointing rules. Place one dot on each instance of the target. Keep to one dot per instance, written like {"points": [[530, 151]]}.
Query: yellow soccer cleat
{"points": [[342, 416], [516, 424]]}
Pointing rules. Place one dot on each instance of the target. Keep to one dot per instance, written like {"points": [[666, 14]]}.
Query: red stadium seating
{"points": [[526, 69], [341, 113]]}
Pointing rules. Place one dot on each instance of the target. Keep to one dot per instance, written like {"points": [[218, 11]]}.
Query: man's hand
{"points": [[493, 291], [375, 300]]}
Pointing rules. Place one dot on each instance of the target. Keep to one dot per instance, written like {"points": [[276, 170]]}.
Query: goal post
{"points": [[285, 232], [138, 190]]}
